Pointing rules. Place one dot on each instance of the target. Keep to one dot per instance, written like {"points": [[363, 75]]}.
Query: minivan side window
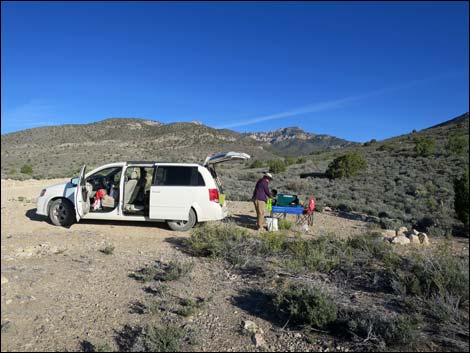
{"points": [[178, 176]]}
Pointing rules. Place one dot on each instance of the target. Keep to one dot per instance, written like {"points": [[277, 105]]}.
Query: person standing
{"points": [[260, 196]]}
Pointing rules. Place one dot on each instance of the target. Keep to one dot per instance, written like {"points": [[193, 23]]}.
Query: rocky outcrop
{"points": [[403, 236]]}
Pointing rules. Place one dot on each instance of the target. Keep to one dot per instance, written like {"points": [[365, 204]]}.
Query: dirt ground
{"points": [[58, 290]]}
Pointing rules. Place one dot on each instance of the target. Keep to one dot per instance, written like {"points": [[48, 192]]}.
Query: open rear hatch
{"points": [[211, 161]]}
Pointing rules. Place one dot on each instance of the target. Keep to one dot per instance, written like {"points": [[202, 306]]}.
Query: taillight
{"points": [[43, 192], [214, 195]]}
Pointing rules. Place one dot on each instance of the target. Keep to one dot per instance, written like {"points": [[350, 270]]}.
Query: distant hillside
{"points": [[293, 141], [58, 151], [399, 187]]}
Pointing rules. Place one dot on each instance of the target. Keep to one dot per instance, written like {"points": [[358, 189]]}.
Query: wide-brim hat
{"points": [[269, 175]]}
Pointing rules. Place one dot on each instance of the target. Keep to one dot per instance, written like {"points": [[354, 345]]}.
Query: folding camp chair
{"points": [[307, 215]]}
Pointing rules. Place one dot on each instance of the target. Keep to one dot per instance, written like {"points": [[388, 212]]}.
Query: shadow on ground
{"points": [[258, 303], [33, 216], [313, 175], [243, 220]]}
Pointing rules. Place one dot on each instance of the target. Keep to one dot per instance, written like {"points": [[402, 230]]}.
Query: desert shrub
{"points": [[386, 147], [437, 273], [301, 160], [461, 200], [175, 270], [286, 224], [424, 146], [145, 274], [108, 249], [289, 161], [12, 171], [273, 242], [457, 143], [26, 169], [172, 271], [214, 240], [257, 164], [343, 207], [306, 305], [379, 328], [190, 306], [372, 244], [276, 166], [314, 255], [160, 339], [345, 166], [371, 142]]}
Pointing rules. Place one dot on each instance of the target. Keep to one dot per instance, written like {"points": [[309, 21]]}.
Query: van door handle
{"points": [[155, 192]]}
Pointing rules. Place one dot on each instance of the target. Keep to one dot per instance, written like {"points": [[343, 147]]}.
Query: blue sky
{"points": [[356, 70]]}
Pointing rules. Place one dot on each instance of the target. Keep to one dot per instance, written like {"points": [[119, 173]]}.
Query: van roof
{"points": [[165, 163]]}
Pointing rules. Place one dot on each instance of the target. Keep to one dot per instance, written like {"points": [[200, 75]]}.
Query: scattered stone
{"points": [[4, 280], [327, 209], [259, 341], [401, 239], [9, 301], [250, 327], [423, 238], [402, 231], [415, 232], [414, 239]]}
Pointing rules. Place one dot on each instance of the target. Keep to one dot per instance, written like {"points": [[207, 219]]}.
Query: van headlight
{"points": [[43, 192]]}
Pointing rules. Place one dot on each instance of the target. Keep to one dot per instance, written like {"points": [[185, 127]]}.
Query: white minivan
{"points": [[180, 194]]}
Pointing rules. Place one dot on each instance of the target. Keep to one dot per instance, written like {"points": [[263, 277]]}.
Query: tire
{"points": [[61, 213], [183, 226]]}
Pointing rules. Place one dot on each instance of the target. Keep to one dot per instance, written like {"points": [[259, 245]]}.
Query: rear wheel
{"points": [[61, 213], [182, 226]]}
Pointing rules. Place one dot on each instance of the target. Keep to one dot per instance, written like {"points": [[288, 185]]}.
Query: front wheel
{"points": [[61, 213], [182, 226]]}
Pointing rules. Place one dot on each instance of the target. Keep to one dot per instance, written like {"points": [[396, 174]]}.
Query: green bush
{"points": [[161, 338], [215, 240], [457, 143], [424, 146], [345, 166], [276, 166], [26, 169], [461, 200], [306, 305], [257, 164]]}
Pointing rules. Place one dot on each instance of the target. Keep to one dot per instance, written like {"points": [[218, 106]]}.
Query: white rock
{"points": [[401, 239], [414, 239], [389, 233], [423, 238], [402, 231], [415, 232], [4, 280], [250, 327], [327, 209]]}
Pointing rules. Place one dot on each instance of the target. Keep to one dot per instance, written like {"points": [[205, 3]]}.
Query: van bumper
{"points": [[41, 206], [215, 212]]}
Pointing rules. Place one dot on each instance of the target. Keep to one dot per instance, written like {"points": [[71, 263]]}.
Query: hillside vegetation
{"points": [[400, 185]]}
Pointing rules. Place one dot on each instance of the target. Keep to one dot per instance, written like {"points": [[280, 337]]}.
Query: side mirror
{"points": [[74, 181]]}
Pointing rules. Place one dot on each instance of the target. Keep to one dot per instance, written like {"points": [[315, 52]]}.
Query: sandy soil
{"points": [[58, 290]]}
